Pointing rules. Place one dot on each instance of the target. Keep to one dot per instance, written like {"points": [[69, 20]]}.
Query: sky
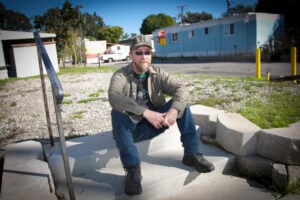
{"points": [[128, 14]]}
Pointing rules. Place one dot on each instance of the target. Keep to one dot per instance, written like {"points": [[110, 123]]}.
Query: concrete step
{"points": [[97, 172], [25, 173]]}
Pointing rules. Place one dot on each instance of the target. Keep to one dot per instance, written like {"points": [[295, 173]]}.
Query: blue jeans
{"points": [[126, 133]]}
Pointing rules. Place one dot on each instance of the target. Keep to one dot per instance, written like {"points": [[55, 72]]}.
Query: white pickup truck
{"points": [[116, 53]]}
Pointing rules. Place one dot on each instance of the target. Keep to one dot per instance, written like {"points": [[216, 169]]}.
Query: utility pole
{"points": [[181, 7], [229, 3], [80, 33]]}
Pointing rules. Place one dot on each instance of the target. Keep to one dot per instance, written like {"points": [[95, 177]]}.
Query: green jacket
{"points": [[123, 87]]}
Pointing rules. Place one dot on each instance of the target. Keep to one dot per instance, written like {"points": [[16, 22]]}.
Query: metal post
{"points": [[268, 76], [45, 100], [258, 63], [99, 60], [58, 95], [63, 148], [294, 62]]}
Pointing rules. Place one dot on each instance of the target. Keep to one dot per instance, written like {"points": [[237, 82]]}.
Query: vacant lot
{"points": [[86, 110]]}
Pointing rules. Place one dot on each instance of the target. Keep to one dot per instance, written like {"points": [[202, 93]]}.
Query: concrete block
{"points": [[236, 134], [280, 144], [279, 174], [25, 173], [294, 174], [206, 118], [296, 124], [28, 150], [3, 74], [254, 166]]}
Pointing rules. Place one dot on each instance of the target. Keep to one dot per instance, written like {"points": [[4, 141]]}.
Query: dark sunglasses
{"points": [[139, 53]]}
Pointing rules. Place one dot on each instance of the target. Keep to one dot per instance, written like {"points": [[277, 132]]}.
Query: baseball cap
{"points": [[140, 40]]}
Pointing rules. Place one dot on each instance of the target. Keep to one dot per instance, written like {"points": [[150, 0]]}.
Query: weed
{"points": [[86, 69], [94, 95], [67, 102], [88, 100], [78, 115], [67, 95]]}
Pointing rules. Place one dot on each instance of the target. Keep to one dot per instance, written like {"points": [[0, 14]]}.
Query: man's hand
{"points": [[170, 117], [154, 118], [158, 120]]}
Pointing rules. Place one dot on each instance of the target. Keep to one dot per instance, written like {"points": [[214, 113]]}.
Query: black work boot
{"points": [[132, 180], [198, 162]]}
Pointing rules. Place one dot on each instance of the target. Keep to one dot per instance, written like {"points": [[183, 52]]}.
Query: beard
{"points": [[141, 67]]}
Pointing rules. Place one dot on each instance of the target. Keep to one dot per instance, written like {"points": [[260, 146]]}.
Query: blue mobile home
{"points": [[229, 36]]}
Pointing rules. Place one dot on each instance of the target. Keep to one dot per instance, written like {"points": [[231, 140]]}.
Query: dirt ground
{"points": [[85, 109]]}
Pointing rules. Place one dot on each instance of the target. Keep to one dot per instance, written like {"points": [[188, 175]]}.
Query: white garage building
{"points": [[18, 53]]}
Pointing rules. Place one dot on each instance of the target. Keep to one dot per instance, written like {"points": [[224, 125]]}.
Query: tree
{"points": [[70, 27], [238, 9], [91, 24], [196, 17], [153, 22], [15, 21], [290, 11], [127, 36], [110, 34], [65, 23]]}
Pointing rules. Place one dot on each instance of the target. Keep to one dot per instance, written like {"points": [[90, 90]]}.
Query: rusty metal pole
{"points": [[57, 107], [45, 100], [58, 96]]}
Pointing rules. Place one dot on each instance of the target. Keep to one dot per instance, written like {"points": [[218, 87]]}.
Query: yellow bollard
{"points": [[268, 76], [258, 63], [294, 62]]}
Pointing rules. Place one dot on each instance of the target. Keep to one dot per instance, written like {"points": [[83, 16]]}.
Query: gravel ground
{"points": [[22, 115]]}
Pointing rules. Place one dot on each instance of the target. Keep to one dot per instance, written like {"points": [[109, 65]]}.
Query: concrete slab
{"points": [[236, 134], [97, 172], [206, 118], [224, 187], [280, 144], [25, 174]]}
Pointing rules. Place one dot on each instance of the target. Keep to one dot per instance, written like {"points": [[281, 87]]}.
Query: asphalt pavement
{"points": [[234, 69]]}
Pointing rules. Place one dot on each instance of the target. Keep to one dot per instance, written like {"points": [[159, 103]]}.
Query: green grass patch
{"points": [[96, 94], [67, 102], [88, 100], [267, 104], [78, 115], [273, 111], [87, 69], [212, 100], [8, 80], [67, 95], [66, 70]]}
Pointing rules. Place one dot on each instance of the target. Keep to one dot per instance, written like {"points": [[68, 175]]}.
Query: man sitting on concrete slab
{"points": [[140, 112]]}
